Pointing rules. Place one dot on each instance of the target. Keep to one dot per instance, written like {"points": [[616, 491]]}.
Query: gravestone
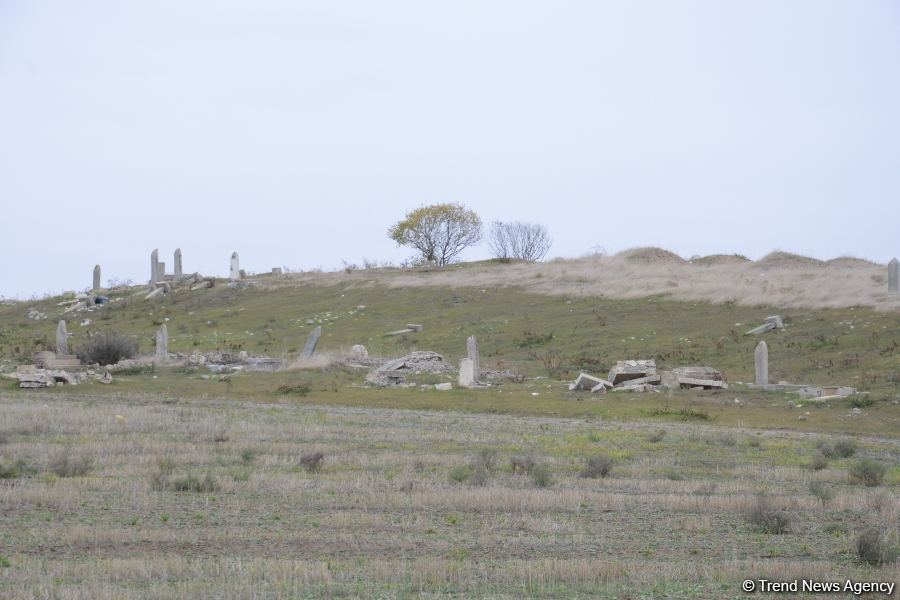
{"points": [[472, 350], [96, 285], [162, 342], [62, 338], [762, 364], [154, 270], [276, 271], [178, 272], [235, 267], [466, 373], [894, 276], [160, 271], [311, 342]]}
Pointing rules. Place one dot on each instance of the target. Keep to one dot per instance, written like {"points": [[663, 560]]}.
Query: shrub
{"points": [[873, 548], [107, 348], [301, 389], [819, 461], [521, 464], [15, 469], [822, 492], [840, 449], [868, 472], [597, 466], [486, 459], [656, 436], [460, 473], [164, 468], [541, 476], [480, 476], [764, 517], [312, 461], [191, 483], [65, 465], [523, 241]]}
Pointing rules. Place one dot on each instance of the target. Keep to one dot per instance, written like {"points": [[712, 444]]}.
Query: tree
{"points": [[438, 232], [524, 241]]}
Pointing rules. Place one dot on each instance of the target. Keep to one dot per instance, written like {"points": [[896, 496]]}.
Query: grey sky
{"points": [[297, 132]]}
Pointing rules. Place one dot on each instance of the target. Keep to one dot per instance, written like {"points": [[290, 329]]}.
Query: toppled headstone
{"points": [[394, 372], [629, 370], [826, 392], [415, 327], [699, 377], [400, 332], [311, 342], [589, 383], [773, 322]]}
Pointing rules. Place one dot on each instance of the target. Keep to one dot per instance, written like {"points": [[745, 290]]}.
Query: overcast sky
{"points": [[297, 132]]}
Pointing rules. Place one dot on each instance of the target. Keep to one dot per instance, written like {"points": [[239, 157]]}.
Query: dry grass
{"points": [[779, 279], [382, 518]]}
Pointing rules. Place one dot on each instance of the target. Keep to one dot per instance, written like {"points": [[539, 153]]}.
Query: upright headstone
{"points": [[312, 341], [96, 285], [762, 364], [62, 338], [894, 276], [472, 350], [160, 271], [235, 267], [162, 342], [466, 373], [178, 272], [154, 268]]}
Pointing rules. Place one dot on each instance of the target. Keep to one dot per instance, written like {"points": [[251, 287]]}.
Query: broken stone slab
{"points": [[642, 387], [415, 327], [202, 285], [359, 351], [400, 332], [466, 373], [826, 392], [771, 323], [585, 382], [393, 372], [80, 305], [107, 378], [650, 379], [708, 384], [699, 372], [626, 370], [155, 293], [443, 387]]}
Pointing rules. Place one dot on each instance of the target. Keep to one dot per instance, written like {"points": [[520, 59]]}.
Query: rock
{"points": [[626, 370], [585, 382], [359, 351], [415, 327], [62, 338], [443, 387], [202, 285], [106, 379]]}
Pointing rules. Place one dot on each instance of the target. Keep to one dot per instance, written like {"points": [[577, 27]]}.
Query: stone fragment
{"points": [[160, 271], [62, 338], [202, 285], [162, 342], [311, 342], [96, 283], [762, 364], [466, 373], [585, 382], [472, 351], [107, 378], [359, 351], [400, 332], [894, 276], [443, 387], [415, 327], [155, 293], [625, 370]]}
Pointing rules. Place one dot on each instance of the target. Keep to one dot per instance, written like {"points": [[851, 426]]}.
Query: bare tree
{"points": [[524, 241]]}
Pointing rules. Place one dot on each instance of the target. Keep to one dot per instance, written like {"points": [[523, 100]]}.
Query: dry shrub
{"points": [[656, 436], [541, 476], [765, 517], [15, 469], [301, 389], [312, 461], [191, 483], [597, 467], [821, 491], [868, 472], [65, 465], [486, 459], [819, 462], [874, 548], [107, 348], [840, 449], [460, 473], [521, 464]]}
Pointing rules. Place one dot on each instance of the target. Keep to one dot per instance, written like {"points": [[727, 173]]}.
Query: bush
{"points": [[873, 548], [868, 472], [656, 436], [312, 461], [191, 483], [65, 465], [486, 459], [819, 461], [301, 389], [764, 517], [521, 464], [107, 348], [597, 466], [460, 473], [840, 449], [522, 241], [15, 469], [822, 492], [541, 476]]}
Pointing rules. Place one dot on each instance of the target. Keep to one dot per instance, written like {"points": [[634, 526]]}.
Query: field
{"points": [[171, 482]]}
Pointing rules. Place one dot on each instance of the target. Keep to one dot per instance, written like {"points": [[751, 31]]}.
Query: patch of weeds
{"points": [[460, 473], [596, 467], [312, 462], [819, 461], [530, 339], [657, 436], [541, 476], [840, 449], [860, 401], [248, 456], [64, 465], [595, 437], [301, 389], [874, 548], [822, 492], [836, 529], [4, 562], [521, 464], [486, 459], [867, 472], [192, 483], [765, 517], [15, 469]]}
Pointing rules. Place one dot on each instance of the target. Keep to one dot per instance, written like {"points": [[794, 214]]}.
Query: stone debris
{"points": [[358, 352], [443, 387], [155, 293], [401, 331], [826, 392], [205, 284], [36, 315], [589, 383], [41, 378], [394, 372], [629, 370], [699, 377], [773, 322], [630, 387]]}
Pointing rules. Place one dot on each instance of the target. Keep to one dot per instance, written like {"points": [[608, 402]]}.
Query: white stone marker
{"points": [[894, 276], [472, 350], [96, 284], [162, 342], [62, 338], [762, 364], [154, 268], [466, 373], [178, 272], [235, 267]]}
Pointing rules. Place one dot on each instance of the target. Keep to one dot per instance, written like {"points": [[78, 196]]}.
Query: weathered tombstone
{"points": [[472, 350], [235, 267], [162, 342], [62, 338], [178, 273], [96, 284], [762, 364], [160, 271], [154, 270], [466, 373], [894, 276], [276, 271], [310, 348]]}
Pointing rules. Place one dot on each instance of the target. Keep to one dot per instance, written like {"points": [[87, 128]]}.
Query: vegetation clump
{"points": [[874, 548], [867, 472], [107, 348], [764, 517], [65, 465], [597, 467], [312, 462]]}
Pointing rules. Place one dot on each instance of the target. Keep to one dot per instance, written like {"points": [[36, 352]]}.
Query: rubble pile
{"points": [[642, 376], [394, 372]]}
